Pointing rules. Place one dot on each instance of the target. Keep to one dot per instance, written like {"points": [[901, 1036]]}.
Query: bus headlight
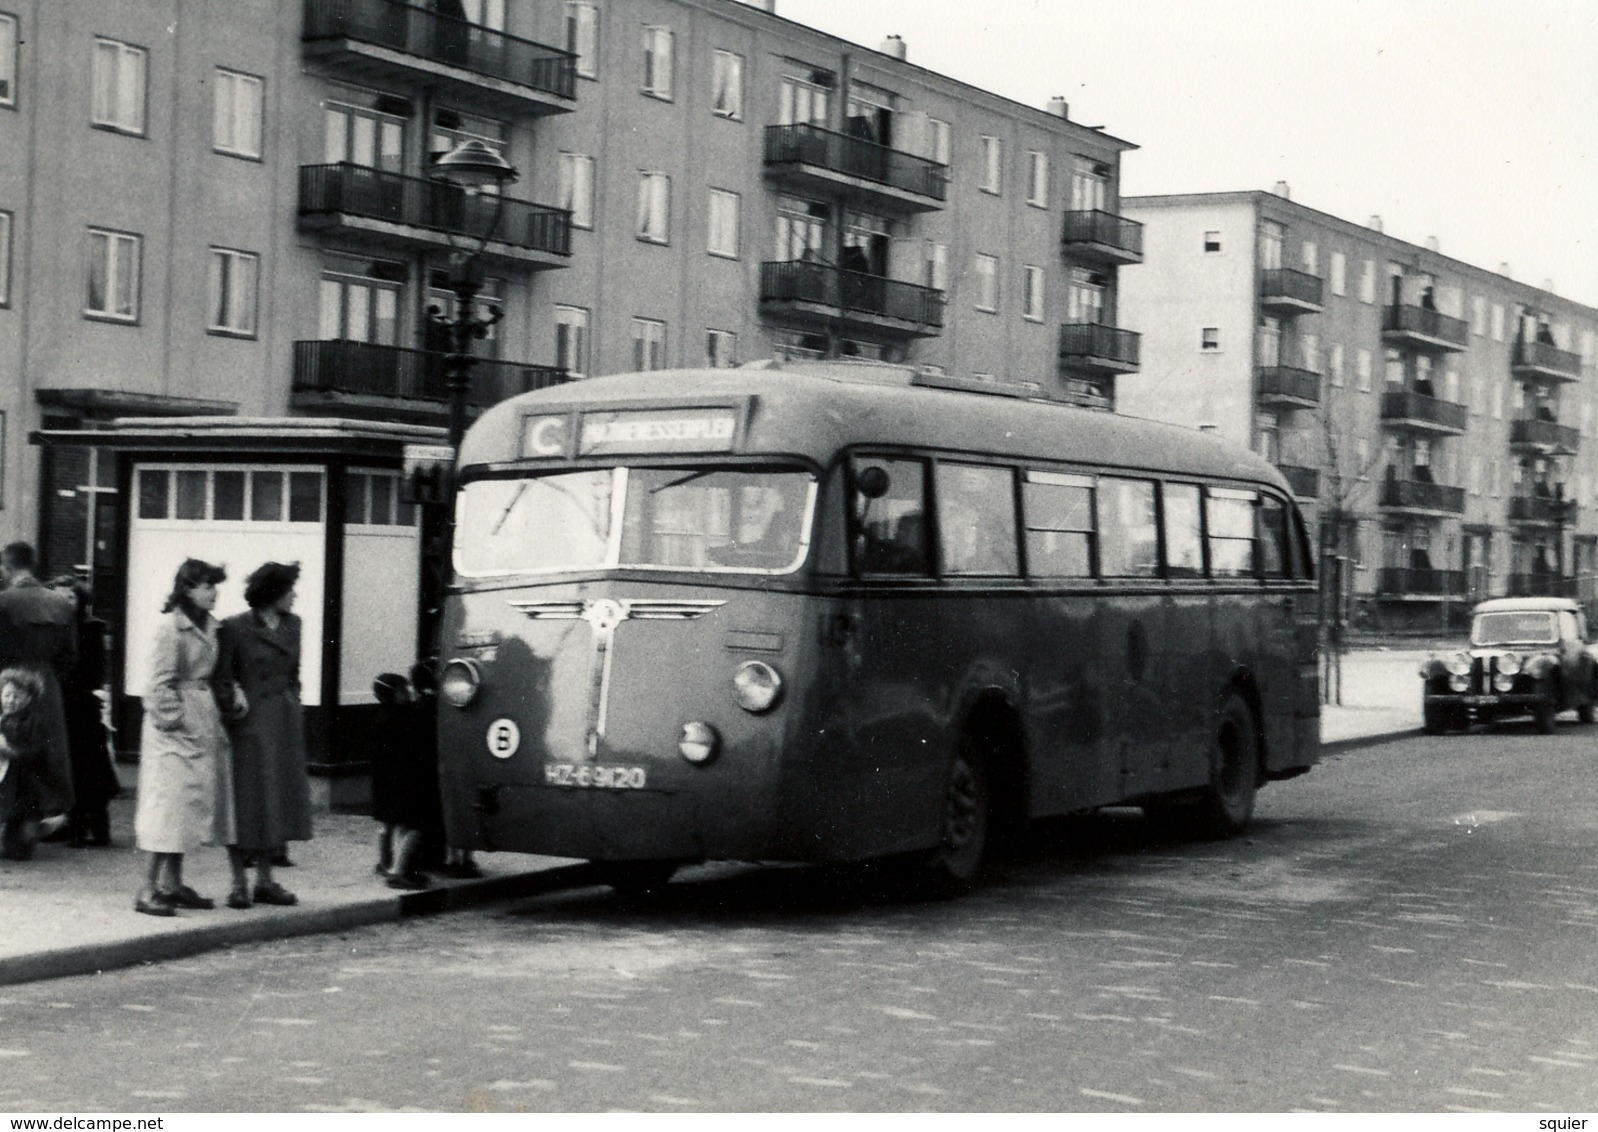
{"points": [[1459, 664], [756, 686], [458, 684], [1508, 664], [698, 742], [1504, 682], [1458, 682]]}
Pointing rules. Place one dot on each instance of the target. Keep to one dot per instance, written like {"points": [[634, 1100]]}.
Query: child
{"points": [[22, 750], [398, 793]]}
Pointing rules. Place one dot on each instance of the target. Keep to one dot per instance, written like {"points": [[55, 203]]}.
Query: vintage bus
{"points": [[834, 611]]}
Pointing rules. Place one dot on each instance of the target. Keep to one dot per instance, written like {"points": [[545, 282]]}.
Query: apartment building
{"points": [[1436, 420], [211, 209]]}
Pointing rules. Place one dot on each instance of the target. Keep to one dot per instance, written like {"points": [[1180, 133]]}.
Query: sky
{"points": [[1474, 121]]}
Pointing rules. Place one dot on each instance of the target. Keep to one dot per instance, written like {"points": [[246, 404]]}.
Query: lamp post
{"points": [[477, 172]]}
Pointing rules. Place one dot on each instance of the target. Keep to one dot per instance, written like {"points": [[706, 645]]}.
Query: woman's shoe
{"points": [[186, 897], [462, 870], [239, 897], [153, 905], [408, 881], [274, 893]]}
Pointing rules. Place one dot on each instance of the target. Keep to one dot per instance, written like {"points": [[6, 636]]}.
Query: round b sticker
{"points": [[503, 738]]}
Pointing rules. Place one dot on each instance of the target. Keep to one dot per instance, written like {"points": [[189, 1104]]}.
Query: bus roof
{"points": [[816, 408]]}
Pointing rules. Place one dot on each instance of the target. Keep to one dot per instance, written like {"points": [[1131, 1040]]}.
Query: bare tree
{"points": [[1345, 481]]}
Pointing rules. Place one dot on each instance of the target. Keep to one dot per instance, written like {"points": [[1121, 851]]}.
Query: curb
{"points": [[96, 958], [1343, 746]]}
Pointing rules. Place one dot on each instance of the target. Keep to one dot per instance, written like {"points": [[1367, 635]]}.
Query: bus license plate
{"points": [[587, 777]]}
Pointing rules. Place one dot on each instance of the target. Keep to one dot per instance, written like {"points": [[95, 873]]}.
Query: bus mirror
{"points": [[426, 473], [872, 482]]}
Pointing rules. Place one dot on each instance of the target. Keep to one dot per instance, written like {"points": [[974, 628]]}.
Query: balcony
{"points": [[1543, 361], [1284, 385], [1286, 291], [1549, 437], [1422, 328], [829, 298], [388, 42], [1305, 483], [1541, 584], [1091, 347], [812, 159], [1419, 497], [335, 376], [1419, 582], [1102, 237], [1541, 510], [413, 213], [1421, 413]]}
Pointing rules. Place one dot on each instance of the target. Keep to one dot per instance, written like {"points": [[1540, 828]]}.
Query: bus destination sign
{"points": [[629, 431]]}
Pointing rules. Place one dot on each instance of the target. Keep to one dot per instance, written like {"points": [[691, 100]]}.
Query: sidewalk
{"points": [[70, 911]]}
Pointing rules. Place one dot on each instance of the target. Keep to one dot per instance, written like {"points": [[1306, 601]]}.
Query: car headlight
{"points": [[1459, 682], [458, 683], [756, 686], [1504, 683], [1508, 664], [698, 742], [1459, 664]]}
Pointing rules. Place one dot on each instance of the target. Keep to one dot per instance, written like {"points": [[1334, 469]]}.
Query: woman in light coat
{"points": [[185, 792]]}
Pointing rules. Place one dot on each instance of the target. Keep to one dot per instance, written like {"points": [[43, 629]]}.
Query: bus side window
{"points": [[1305, 555], [976, 519], [1129, 542], [1231, 532], [1184, 547], [1275, 559], [1059, 524], [891, 526]]}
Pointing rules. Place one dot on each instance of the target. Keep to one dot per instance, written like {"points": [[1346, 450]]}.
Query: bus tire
{"points": [[1542, 716], [1228, 801], [636, 878], [955, 864], [1434, 719]]}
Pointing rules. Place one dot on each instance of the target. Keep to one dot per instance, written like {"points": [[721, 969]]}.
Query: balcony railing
{"points": [[835, 289], [1305, 483], [1540, 509], [1397, 581], [1549, 436], [354, 190], [1418, 411], [1097, 347], [1285, 289], [424, 34], [1289, 385], [1541, 585], [803, 144], [1419, 495], [1103, 236], [361, 369], [1544, 359], [1422, 326]]}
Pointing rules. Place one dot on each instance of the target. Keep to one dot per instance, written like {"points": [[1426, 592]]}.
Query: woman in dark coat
{"points": [[94, 778], [258, 685]]}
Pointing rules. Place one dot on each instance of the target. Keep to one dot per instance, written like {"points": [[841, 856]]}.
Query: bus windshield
{"points": [[1529, 628], [710, 519]]}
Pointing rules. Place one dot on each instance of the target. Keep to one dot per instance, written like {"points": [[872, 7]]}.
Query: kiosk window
{"points": [[1059, 524], [976, 519], [1128, 535], [892, 536]]}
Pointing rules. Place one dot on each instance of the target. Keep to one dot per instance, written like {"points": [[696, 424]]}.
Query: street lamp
{"points": [[476, 172]]}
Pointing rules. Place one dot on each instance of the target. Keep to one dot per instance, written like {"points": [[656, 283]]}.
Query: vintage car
{"points": [[1527, 656]]}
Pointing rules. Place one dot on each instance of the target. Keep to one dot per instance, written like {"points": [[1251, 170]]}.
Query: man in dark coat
{"points": [[37, 633]]}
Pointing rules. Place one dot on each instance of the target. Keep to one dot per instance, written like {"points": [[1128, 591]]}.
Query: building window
{"points": [[1339, 274], [571, 340], [1362, 370], [8, 60], [1210, 339], [360, 300], [1311, 257], [657, 62], [937, 262], [119, 86], [1498, 400], [992, 164], [654, 208], [5, 259], [232, 289], [801, 102], [1334, 363], [721, 349], [113, 275], [1090, 185], [577, 188], [364, 136], [1212, 242], [723, 223], [1034, 294], [1394, 366], [1498, 322], [1037, 190], [1478, 316], [1367, 282], [1311, 348], [649, 344], [727, 85], [236, 116], [582, 36], [942, 147], [987, 273]]}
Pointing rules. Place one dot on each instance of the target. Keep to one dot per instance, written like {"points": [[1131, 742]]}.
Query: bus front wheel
{"points": [[1228, 801], [954, 865]]}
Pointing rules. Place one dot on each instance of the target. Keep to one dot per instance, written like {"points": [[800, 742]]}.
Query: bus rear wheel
{"points": [[636, 878], [955, 864], [1228, 800]]}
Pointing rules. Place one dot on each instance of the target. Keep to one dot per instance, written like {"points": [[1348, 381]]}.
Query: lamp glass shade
{"points": [[472, 165]]}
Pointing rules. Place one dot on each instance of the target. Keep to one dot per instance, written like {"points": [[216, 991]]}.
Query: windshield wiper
{"points": [[521, 489], [689, 478]]}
